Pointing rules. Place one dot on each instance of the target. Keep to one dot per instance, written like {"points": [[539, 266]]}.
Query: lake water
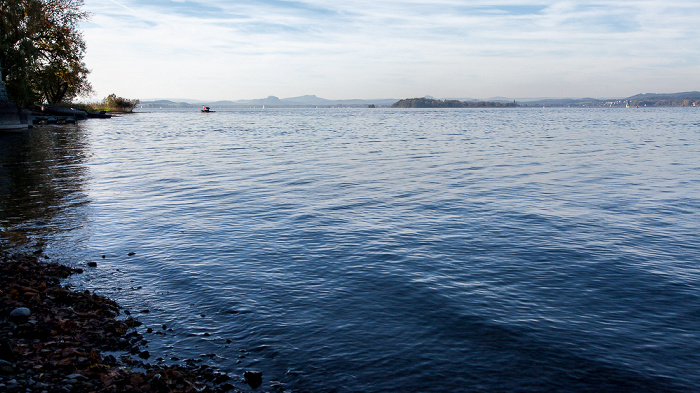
{"points": [[384, 250]]}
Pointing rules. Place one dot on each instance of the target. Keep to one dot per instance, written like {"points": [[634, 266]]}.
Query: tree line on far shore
{"points": [[433, 103]]}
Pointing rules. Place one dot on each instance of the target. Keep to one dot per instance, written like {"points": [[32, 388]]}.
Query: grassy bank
{"points": [[112, 104]]}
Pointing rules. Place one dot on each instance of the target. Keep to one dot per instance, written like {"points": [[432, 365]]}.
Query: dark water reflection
{"points": [[43, 176]]}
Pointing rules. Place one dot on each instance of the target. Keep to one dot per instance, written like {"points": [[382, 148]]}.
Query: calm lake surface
{"points": [[384, 250]]}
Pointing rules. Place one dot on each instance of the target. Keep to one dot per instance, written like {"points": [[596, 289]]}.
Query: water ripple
{"points": [[388, 250]]}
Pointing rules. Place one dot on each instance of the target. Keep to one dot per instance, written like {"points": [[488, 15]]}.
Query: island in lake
{"points": [[425, 102]]}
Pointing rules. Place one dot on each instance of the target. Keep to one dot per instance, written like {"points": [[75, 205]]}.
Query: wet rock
{"points": [[20, 313], [6, 368], [221, 378], [157, 383], [253, 378], [131, 254], [92, 264], [144, 355], [110, 360]]}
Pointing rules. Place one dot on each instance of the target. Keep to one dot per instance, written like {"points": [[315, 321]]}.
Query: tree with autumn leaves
{"points": [[42, 50]]}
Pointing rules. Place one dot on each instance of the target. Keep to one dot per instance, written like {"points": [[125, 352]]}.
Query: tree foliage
{"points": [[116, 103], [432, 103], [42, 50]]}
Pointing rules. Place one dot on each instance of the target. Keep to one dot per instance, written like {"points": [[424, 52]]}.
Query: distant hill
{"points": [[565, 102], [691, 98], [307, 101], [692, 95], [165, 104]]}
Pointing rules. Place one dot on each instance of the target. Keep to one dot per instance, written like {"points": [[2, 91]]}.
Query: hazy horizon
{"points": [[214, 50], [491, 98]]}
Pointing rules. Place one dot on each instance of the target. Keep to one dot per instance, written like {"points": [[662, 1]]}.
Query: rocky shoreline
{"points": [[54, 339]]}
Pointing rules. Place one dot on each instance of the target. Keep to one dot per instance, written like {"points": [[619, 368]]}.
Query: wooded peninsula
{"points": [[433, 103]]}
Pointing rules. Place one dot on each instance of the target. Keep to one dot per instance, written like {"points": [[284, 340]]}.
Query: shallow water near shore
{"points": [[377, 250]]}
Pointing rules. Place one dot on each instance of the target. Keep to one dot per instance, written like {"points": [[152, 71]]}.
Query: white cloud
{"points": [[371, 49]]}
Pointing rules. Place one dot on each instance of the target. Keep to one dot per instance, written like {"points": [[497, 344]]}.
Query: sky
{"points": [[230, 50]]}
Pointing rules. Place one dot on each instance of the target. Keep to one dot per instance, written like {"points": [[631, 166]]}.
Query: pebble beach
{"points": [[55, 339]]}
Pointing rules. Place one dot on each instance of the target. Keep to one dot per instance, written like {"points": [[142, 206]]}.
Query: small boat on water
{"points": [[206, 109]]}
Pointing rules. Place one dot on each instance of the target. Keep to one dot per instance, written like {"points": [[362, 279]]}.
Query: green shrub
{"points": [[119, 104]]}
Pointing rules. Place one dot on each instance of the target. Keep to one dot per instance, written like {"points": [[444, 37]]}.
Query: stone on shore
{"points": [[20, 313], [253, 378]]}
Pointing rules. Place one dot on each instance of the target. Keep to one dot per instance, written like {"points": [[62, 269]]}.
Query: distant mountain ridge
{"points": [[307, 101], [691, 98]]}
